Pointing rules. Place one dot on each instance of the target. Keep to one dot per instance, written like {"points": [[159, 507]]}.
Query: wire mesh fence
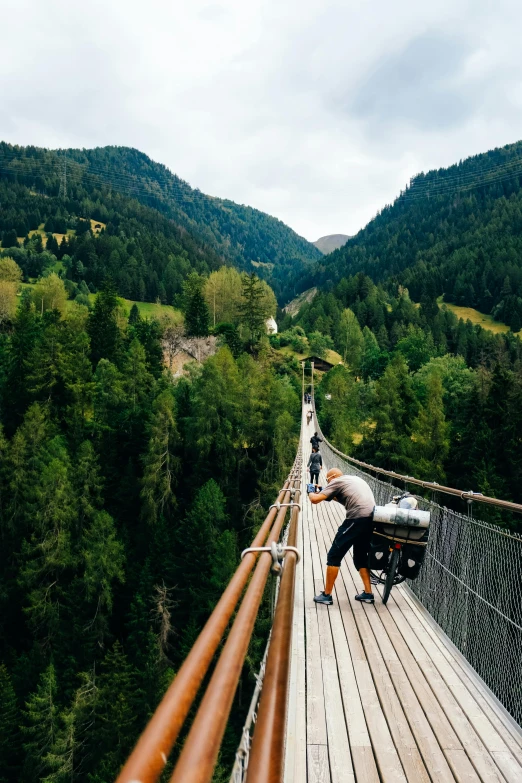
{"points": [[470, 583]]}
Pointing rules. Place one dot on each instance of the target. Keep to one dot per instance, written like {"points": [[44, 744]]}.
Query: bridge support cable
{"points": [[150, 755], [470, 582]]}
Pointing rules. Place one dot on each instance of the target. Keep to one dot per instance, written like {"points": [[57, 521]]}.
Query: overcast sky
{"points": [[316, 111]]}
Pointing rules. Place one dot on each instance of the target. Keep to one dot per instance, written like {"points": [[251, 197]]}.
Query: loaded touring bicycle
{"points": [[399, 541]]}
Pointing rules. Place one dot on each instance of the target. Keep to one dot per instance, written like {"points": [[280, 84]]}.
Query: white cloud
{"points": [[316, 112]]}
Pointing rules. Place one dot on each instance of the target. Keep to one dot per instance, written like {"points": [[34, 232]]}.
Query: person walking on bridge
{"points": [[315, 463], [315, 440], [357, 498], [309, 417]]}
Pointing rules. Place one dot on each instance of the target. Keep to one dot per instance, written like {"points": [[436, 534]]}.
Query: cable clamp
{"points": [[277, 551], [284, 505]]}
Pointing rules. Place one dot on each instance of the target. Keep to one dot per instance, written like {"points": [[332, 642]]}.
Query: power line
{"points": [[128, 184], [463, 176], [172, 182], [470, 186]]}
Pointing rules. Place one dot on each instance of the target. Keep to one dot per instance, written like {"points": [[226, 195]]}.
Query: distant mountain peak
{"points": [[331, 242]]}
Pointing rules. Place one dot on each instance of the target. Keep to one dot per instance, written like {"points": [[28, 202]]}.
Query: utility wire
{"points": [[433, 177], [471, 186], [132, 185]]}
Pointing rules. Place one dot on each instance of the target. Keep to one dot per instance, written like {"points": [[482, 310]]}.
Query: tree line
{"points": [[419, 391]]}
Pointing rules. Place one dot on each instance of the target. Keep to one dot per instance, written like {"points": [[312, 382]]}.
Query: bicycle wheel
{"points": [[390, 576]]}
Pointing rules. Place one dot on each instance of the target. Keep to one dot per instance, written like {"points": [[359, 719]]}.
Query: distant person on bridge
{"points": [[315, 463], [309, 417], [315, 440], [357, 498]]}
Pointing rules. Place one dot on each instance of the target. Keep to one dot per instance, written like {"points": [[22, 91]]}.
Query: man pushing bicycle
{"points": [[357, 498]]}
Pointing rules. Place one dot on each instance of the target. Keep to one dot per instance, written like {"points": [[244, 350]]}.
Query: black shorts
{"points": [[353, 531], [314, 476]]}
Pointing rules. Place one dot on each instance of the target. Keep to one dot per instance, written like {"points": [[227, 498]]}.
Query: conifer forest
{"points": [[128, 490]]}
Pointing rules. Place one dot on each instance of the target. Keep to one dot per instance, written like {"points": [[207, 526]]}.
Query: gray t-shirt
{"points": [[354, 493]]}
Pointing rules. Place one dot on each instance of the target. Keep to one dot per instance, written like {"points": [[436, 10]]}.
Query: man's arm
{"points": [[317, 497]]}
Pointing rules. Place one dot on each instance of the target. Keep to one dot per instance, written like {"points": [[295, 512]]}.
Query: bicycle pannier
{"points": [[379, 553], [412, 558]]}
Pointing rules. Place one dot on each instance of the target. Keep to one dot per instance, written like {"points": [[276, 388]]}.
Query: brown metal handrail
{"points": [[149, 757], [268, 745], [200, 752]]}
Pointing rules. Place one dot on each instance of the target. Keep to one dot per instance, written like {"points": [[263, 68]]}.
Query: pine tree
{"points": [[114, 721], [430, 434], [351, 340], [196, 536], [104, 559], [9, 723], [43, 363], [197, 317], [88, 483], [253, 310], [10, 239], [48, 553], [389, 443], [103, 328], [40, 725], [27, 457], [137, 380], [372, 357], [76, 375], [150, 336], [26, 328], [160, 462], [215, 423], [134, 316]]}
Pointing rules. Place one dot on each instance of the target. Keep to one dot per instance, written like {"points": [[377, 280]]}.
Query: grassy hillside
{"points": [[146, 309], [481, 319]]}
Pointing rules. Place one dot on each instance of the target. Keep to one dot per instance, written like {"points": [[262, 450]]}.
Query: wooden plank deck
{"points": [[378, 693]]}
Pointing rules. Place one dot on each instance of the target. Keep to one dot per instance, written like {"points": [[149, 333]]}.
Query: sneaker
{"points": [[366, 598], [322, 598]]}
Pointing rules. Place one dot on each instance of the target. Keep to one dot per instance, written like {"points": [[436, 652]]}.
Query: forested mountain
{"points": [[136, 198], [455, 231]]}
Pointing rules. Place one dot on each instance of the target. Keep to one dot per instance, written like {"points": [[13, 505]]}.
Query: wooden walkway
{"points": [[377, 693]]}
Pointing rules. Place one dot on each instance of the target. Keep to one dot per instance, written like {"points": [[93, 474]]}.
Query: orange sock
{"points": [[331, 576]]}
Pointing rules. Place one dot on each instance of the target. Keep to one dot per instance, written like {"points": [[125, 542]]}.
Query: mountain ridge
{"points": [[244, 236]]}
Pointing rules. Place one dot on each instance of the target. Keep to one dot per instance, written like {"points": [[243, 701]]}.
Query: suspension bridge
{"points": [[427, 688]]}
